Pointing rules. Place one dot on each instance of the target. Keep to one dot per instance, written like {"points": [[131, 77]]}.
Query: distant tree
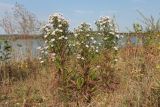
{"points": [[20, 21], [7, 24]]}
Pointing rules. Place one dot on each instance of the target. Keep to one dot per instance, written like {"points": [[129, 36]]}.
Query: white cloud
{"points": [[5, 7]]}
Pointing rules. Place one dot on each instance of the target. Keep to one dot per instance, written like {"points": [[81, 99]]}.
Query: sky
{"points": [[77, 11]]}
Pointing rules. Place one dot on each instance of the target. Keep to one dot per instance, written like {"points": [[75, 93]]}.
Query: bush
{"points": [[76, 56]]}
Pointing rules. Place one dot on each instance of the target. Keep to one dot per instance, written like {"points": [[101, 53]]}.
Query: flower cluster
{"points": [[108, 31], [86, 43], [55, 36]]}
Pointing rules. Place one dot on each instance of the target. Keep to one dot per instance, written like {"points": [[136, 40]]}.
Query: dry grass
{"points": [[136, 70]]}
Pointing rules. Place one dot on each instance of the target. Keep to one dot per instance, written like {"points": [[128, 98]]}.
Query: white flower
{"points": [[59, 20], [75, 35], [53, 54], [112, 33], [66, 38], [45, 36], [98, 66], [53, 33], [97, 51], [42, 62], [87, 46], [99, 44], [77, 43], [87, 35], [17, 103], [105, 38], [78, 56], [39, 48], [59, 15], [60, 25], [42, 52], [46, 41], [61, 37], [60, 30], [52, 40], [118, 36], [40, 58], [46, 47], [94, 41], [82, 58], [115, 60], [46, 52], [115, 48], [92, 38]]}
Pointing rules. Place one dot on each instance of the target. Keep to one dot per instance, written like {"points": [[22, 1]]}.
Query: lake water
{"points": [[22, 49]]}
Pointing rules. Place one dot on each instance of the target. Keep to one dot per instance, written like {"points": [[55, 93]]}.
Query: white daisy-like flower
{"points": [[92, 38], [61, 37], [59, 20], [112, 33], [46, 41], [75, 35], [60, 30], [118, 36], [42, 51], [105, 38], [87, 46], [45, 36], [115, 60], [82, 58], [77, 43], [39, 48], [78, 56], [46, 52], [41, 62], [60, 25], [98, 66], [40, 58], [87, 35], [94, 41], [99, 43], [97, 51], [115, 48], [52, 40], [66, 38], [46, 47], [53, 33]]}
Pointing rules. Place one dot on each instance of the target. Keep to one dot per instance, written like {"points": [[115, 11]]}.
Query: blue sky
{"points": [[78, 11]]}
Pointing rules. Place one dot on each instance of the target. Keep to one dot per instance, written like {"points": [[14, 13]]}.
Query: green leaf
{"points": [[80, 82], [93, 75]]}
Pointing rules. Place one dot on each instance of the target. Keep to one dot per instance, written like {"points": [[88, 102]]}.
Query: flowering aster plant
{"points": [[86, 43], [56, 40], [107, 29], [81, 49]]}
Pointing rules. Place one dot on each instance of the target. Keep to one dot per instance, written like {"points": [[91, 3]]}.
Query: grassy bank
{"points": [[134, 83]]}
